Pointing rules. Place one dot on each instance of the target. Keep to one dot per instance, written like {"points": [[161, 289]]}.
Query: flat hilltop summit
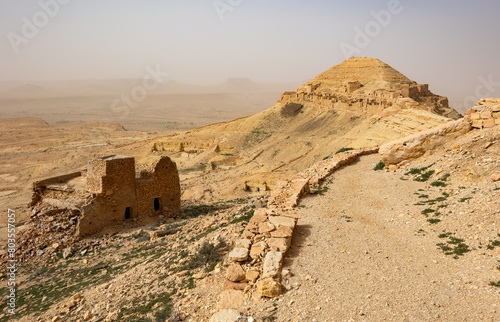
{"points": [[364, 70]]}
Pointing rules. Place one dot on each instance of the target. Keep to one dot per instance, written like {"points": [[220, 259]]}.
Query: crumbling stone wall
{"points": [[158, 188], [112, 192], [111, 181], [483, 116], [348, 97], [40, 186]]}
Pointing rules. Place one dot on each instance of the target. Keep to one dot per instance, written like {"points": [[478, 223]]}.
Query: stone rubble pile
{"points": [[257, 258], [48, 232]]}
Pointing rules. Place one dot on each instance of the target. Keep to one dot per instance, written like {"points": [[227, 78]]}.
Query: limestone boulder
{"points": [[418, 144], [279, 244]]}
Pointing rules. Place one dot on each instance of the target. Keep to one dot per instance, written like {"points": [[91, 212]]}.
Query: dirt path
{"points": [[363, 251]]}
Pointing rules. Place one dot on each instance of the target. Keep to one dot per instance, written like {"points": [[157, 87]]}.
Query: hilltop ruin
{"points": [[368, 85], [110, 192]]}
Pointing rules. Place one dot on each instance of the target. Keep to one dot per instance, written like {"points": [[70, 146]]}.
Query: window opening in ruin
{"points": [[157, 204], [128, 212]]}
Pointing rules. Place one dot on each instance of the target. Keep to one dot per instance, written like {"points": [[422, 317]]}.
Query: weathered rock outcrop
{"points": [[418, 144]]}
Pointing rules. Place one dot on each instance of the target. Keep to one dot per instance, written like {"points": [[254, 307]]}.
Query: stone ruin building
{"points": [[110, 192], [368, 85], [349, 97]]}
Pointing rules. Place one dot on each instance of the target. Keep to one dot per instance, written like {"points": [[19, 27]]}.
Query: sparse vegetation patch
{"points": [[343, 150], [379, 166]]}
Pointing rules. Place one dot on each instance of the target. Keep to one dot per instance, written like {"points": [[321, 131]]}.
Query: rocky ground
{"points": [[144, 274], [419, 242]]}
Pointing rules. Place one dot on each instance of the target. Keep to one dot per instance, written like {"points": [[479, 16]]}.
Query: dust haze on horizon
{"points": [[452, 45]]}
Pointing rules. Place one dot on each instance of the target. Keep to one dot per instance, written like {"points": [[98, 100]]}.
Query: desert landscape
{"points": [[273, 213], [313, 186]]}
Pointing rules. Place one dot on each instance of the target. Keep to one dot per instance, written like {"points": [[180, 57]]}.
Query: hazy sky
{"points": [[452, 45]]}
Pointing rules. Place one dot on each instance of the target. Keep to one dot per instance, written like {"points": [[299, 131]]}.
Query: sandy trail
{"points": [[359, 254]]}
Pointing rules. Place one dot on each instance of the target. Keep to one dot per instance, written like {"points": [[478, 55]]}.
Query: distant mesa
{"points": [[26, 91], [23, 122]]}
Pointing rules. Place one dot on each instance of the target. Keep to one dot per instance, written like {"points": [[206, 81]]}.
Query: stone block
{"points": [[259, 216], [235, 273], [266, 227], [243, 243], [283, 221], [497, 121], [489, 122], [252, 275], [252, 227], [282, 232], [238, 254], [485, 115], [475, 116], [478, 124], [257, 251], [279, 244], [495, 108], [248, 234], [272, 264]]}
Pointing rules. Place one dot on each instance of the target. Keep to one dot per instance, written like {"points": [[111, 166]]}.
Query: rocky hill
{"points": [[361, 102], [416, 240]]}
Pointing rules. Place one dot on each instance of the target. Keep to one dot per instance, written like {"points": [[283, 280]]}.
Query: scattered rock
{"points": [[268, 287], [228, 285], [235, 273], [238, 254], [226, 315], [252, 275], [87, 315]]}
